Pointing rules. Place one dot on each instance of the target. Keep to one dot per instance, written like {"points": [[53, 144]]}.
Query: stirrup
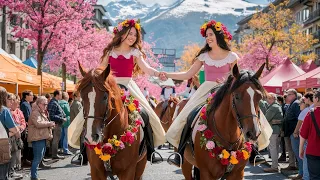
{"points": [[175, 153], [155, 152], [77, 155], [254, 160]]}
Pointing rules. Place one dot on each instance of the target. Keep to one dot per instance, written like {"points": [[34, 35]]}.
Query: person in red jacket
{"points": [[309, 132]]}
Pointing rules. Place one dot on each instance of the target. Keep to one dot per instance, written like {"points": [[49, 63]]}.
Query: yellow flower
{"points": [[132, 107], [105, 157], [225, 154], [234, 160], [204, 26], [218, 26], [110, 141], [245, 154], [137, 26], [98, 151], [117, 143]]}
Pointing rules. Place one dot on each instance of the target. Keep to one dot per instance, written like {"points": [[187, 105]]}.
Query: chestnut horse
{"points": [[166, 119], [105, 116], [233, 114]]}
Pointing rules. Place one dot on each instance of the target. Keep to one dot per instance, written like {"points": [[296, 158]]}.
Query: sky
{"points": [[168, 2]]}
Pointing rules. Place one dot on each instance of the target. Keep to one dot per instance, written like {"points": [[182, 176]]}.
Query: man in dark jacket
{"points": [[289, 125], [57, 115], [25, 107]]}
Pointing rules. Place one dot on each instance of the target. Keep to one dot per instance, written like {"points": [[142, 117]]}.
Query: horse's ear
{"points": [[235, 71], [83, 71], [106, 72], [259, 72]]}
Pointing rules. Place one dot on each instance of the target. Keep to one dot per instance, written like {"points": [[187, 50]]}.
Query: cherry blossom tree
{"points": [[82, 43], [43, 20]]}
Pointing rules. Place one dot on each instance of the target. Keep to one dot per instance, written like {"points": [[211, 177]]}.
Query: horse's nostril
{"points": [[249, 135], [95, 137]]}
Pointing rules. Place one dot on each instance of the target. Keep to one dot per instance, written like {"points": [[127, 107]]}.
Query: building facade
{"points": [[167, 59], [307, 14]]}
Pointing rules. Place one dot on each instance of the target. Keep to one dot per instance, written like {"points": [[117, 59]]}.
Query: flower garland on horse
{"points": [[115, 144]]}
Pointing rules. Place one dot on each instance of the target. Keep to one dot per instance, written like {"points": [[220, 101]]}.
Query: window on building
{"points": [[14, 20], [12, 47], [310, 30], [28, 53]]}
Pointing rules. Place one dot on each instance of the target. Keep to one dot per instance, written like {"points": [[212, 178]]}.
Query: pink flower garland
{"points": [[214, 147]]}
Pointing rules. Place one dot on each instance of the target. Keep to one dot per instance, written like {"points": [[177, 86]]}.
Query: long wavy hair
{"points": [[220, 41], [3, 97], [116, 41]]}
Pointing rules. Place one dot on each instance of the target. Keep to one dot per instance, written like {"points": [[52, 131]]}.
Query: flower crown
{"points": [[219, 28], [127, 23]]}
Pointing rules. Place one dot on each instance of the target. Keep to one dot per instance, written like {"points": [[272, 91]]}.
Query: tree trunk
{"points": [[64, 77], [40, 56], [4, 29]]}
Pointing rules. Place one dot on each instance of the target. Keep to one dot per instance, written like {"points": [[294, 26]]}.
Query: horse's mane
{"points": [[109, 85], [229, 86]]}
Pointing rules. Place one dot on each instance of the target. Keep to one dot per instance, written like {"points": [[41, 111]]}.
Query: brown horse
{"points": [[105, 117], [233, 114], [167, 116]]}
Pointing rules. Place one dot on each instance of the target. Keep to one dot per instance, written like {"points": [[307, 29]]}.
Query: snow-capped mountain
{"points": [[177, 25]]}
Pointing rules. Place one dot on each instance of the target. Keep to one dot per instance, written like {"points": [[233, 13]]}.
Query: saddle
{"points": [[186, 136]]}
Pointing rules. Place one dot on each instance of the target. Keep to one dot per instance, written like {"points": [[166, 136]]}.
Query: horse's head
{"points": [[245, 92], [99, 94]]}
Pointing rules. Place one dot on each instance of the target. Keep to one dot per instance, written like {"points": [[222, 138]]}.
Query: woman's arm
{"points": [[297, 129], [145, 67], [301, 147], [186, 75]]}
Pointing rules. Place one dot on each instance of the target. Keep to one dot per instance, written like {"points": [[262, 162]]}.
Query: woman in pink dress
{"points": [[218, 60], [126, 58]]}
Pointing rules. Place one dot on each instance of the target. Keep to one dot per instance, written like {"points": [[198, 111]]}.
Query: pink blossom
{"points": [[234, 154], [122, 146], [210, 145], [202, 127]]}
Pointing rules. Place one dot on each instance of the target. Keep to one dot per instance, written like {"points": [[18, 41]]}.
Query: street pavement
{"points": [[63, 170]]}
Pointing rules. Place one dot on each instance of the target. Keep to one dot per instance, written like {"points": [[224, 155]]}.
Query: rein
{"points": [[239, 120]]}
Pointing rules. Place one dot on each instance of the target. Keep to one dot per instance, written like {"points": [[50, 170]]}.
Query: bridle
{"points": [[105, 116], [239, 119]]}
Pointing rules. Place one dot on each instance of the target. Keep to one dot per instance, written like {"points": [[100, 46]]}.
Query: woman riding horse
{"points": [[125, 57], [113, 126], [218, 60]]}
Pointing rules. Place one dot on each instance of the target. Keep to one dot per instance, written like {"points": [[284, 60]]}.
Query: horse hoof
{"points": [[159, 147]]}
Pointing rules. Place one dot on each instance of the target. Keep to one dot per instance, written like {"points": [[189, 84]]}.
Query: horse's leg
{"points": [[187, 169], [129, 173], [206, 175], [140, 168], [236, 174], [97, 169]]}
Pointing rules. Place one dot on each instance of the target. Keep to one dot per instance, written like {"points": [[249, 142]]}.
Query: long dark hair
{"points": [[116, 41], [3, 97], [220, 41]]}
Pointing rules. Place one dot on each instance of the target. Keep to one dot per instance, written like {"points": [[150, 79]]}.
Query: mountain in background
{"points": [[174, 26]]}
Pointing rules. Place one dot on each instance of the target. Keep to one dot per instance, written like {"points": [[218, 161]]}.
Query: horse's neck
{"points": [[225, 122], [119, 124]]}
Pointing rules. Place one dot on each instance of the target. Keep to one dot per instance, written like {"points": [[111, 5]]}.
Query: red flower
{"points": [[123, 98], [208, 134], [98, 146], [135, 129], [113, 152], [240, 155], [124, 139], [89, 146], [217, 150], [138, 122], [131, 22], [107, 150], [224, 161], [131, 139], [136, 102], [211, 155], [248, 146], [138, 109]]}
